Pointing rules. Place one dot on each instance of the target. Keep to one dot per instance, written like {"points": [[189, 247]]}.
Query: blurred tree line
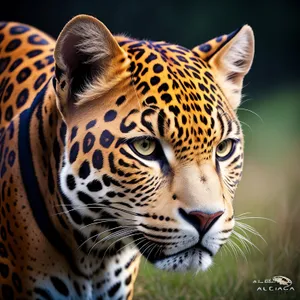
{"points": [[275, 23]]}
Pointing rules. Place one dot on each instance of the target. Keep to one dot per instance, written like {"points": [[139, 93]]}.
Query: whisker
{"points": [[254, 113], [238, 249], [100, 233], [249, 218], [134, 241], [250, 229], [105, 221], [95, 206], [115, 243], [244, 241], [232, 247], [244, 123], [114, 235], [245, 101]]}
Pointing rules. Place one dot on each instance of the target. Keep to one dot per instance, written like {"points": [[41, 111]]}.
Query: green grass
{"points": [[270, 189]]}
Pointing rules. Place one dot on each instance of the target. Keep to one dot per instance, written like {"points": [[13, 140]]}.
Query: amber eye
{"points": [[144, 147], [225, 149]]}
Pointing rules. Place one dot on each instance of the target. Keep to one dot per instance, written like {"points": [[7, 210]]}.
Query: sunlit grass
{"points": [[269, 189]]}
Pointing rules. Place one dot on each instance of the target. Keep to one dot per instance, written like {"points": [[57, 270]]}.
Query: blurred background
{"points": [[268, 197]]}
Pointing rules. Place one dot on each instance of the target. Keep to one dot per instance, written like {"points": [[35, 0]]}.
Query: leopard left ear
{"points": [[89, 62], [230, 57]]}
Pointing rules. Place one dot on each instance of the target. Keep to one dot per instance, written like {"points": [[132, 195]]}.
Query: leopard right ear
{"points": [[230, 58], [86, 56]]}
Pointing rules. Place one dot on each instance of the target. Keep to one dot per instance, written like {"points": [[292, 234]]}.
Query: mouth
{"points": [[196, 257]]}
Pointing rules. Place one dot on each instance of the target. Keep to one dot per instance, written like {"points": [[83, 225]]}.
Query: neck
{"points": [[93, 250]]}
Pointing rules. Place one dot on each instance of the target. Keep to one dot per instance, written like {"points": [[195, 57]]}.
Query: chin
{"points": [[194, 259]]}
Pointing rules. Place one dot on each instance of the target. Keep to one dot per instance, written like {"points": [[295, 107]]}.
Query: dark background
{"points": [[190, 22], [268, 198]]}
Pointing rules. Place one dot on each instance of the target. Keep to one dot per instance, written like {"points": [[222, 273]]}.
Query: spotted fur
{"points": [[79, 204]]}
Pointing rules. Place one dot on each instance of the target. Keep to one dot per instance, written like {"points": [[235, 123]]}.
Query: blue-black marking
{"points": [[34, 53], [106, 139], [4, 63], [205, 48], [41, 79], [23, 75], [91, 124], [35, 39], [110, 115], [31, 185], [19, 29], [15, 64], [9, 90], [13, 45], [98, 159], [88, 142], [22, 98]]}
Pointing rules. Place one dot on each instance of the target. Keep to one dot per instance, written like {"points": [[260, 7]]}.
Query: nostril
{"points": [[200, 220]]}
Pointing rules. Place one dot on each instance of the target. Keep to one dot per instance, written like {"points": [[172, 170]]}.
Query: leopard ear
{"points": [[230, 57], [86, 55]]}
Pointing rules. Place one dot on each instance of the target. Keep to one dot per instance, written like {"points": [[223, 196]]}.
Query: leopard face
{"points": [[153, 150]]}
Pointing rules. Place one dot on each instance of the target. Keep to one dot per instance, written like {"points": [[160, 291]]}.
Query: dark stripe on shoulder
{"points": [[31, 185]]}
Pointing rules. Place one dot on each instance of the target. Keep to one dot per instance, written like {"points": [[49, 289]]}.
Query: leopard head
{"points": [[153, 148]]}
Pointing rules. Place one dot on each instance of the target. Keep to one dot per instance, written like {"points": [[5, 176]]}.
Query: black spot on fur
{"points": [[150, 58], [60, 286], [3, 251], [86, 199], [120, 100], [158, 68], [150, 100], [74, 132], [23, 75], [4, 63], [4, 271], [84, 170], [13, 45], [97, 159], [113, 290], [154, 80], [17, 282], [41, 79], [166, 97], [106, 139], [88, 142], [15, 64], [111, 163], [9, 113], [110, 115], [128, 280], [34, 53], [8, 92], [71, 184], [94, 186], [91, 124], [74, 152], [118, 271]]}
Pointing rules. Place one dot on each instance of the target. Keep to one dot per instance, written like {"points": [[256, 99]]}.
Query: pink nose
{"points": [[205, 221]]}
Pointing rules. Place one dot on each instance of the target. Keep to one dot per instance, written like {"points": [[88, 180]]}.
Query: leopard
{"points": [[114, 149]]}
